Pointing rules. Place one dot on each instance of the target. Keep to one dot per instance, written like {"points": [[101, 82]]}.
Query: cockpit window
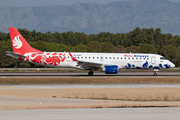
{"points": [[162, 58]]}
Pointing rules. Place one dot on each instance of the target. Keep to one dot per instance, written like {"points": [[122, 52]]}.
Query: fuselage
{"points": [[122, 60]]}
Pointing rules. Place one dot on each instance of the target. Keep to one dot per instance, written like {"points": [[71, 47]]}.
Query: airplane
{"points": [[109, 63]]}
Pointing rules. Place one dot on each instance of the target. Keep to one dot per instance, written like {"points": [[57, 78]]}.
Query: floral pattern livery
{"points": [[146, 65], [53, 59]]}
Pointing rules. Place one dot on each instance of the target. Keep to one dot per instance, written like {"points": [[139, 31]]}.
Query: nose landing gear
{"points": [[155, 72]]}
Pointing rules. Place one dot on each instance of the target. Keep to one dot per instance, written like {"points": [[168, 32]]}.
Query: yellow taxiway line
{"points": [[8, 87]]}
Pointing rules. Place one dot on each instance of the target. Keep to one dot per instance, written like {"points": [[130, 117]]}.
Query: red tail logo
{"points": [[20, 45], [17, 42]]}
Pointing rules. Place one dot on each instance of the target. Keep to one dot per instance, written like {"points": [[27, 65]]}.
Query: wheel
{"points": [[90, 73], [155, 73]]}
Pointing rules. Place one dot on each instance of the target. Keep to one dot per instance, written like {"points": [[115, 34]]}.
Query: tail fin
{"points": [[19, 44]]}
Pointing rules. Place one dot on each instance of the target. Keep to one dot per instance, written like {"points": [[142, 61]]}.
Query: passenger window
{"points": [[93, 57], [89, 57], [136, 58], [125, 58], [106, 58], [121, 58], [129, 58], [147, 58], [109, 57], [113, 57], [53, 56], [49, 56], [81, 57], [85, 57], [97, 57], [133, 58], [117, 57]]}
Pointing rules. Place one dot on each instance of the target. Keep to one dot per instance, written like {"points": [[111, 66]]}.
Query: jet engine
{"points": [[111, 69]]}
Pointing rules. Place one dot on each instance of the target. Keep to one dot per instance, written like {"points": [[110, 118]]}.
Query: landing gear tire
{"points": [[155, 73], [90, 73]]}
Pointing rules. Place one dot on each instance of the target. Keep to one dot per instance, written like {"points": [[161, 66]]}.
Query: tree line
{"points": [[146, 40]]}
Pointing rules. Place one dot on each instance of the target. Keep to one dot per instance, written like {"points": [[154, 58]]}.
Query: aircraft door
{"points": [[153, 60]]}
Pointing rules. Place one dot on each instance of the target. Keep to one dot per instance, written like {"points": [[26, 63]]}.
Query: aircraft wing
{"points": [[85, 65], [14, 55], [88, 65]]}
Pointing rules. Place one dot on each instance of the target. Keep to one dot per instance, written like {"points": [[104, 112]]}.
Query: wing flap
{"points": [[88, 65]]}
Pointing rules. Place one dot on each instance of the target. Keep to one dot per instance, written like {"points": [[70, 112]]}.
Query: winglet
{"points": [[72, 57]]}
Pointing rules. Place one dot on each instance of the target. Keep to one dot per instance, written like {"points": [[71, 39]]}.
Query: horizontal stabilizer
{"points": [[14, 55]]}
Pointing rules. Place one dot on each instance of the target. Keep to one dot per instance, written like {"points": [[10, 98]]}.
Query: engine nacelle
{"points": [[112, 69]]}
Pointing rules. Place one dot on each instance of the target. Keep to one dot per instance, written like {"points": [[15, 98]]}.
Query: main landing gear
{"points": [[90, 73], [155, 72]]}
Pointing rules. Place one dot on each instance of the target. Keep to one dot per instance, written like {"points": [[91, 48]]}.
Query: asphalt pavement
{"points": [[93, 114], [85, 75]]}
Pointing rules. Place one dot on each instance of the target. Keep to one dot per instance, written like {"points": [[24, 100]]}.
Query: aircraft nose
{"points": [[172, 65]]}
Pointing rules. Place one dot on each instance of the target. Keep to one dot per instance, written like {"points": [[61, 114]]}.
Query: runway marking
{"points": [[159, 77], [82, 77], [4, 77], [8, 87]]}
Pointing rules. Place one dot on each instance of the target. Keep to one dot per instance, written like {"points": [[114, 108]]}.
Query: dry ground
{"points": [[12, 99], [102, 98], [125, 94]]}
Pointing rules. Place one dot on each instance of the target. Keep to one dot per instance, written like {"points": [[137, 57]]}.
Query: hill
{"points": [[115, 17]]}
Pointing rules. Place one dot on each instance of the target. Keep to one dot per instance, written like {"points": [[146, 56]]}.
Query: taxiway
{"points": [[94, 114]]}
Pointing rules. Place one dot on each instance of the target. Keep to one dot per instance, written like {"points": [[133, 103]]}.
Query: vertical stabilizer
{"points": [[19, 44]]}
